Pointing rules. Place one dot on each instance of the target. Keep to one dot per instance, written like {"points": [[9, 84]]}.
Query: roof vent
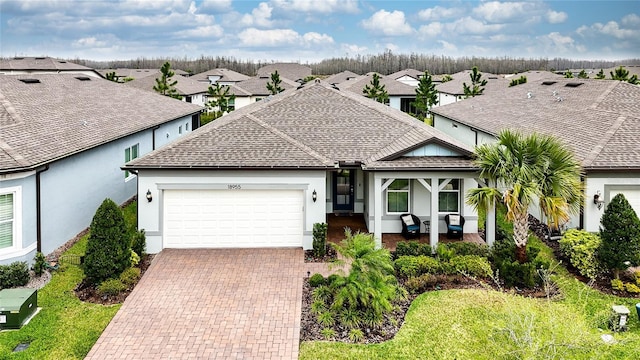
{"points": [[18, 58], [573, 84], [529, 95], [83, 78], [492, 77], [40, 58], [62, 62], [30, 81], [548, 82]]}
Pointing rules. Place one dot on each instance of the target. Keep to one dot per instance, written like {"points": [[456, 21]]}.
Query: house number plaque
{"points": [[234, 187]]}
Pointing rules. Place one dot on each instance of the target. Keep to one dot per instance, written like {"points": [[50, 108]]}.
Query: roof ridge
{"points": [[291, 140], [603, 95], [14, 154], [11, 111], [604, 139]]}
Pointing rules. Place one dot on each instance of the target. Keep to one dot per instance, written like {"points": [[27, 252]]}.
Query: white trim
{"points": [[16, 176], [386, 197], [131, 175], [17, 222], [441, 190]]}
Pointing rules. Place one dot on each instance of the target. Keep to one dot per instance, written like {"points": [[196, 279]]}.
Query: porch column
{"points": [[433, 233], [377, 211], [490, 222]]}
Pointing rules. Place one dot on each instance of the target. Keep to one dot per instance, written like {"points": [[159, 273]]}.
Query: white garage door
{"points": [[632, 196], [232, 218]]}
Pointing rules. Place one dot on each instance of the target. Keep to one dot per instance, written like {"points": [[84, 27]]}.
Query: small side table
{"points": [[427, 226]]}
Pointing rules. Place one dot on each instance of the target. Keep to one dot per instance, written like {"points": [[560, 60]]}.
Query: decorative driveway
{"points": [[211, 303]]}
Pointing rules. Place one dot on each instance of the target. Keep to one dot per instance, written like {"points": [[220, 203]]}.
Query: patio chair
{"points": [[455, 226], [410, 226]]}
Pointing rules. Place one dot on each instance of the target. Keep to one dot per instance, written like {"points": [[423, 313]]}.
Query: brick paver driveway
{"points": [[204, 304]]}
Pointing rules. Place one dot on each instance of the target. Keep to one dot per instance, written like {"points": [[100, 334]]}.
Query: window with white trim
{"points": [[449, 197], [130, 153], [398, 197], [9, 219], [180, 129]]}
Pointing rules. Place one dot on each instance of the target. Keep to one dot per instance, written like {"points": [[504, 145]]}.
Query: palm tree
{"points": [[521, 169]]}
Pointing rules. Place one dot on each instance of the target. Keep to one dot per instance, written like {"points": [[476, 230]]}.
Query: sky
{"points": [[312, 30]]}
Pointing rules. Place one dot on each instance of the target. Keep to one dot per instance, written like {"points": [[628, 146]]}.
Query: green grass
{"points": [[486, 324], [65, 328]]}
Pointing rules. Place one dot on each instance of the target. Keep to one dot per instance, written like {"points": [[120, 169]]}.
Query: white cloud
{"points": [[438, 13], [556, 43], [387, 23], [613, 29], [431, 30], [89, 42], [447, 46], [353, 49], [215, 5], [556, 17], [260, 16], [320, 7], [471, 26], [282, 37], [210, 31], [631, 20], [317, 38], [501, 12]]}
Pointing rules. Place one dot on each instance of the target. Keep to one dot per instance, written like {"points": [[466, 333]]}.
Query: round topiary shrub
{"points": [[316, 280], [111, 287], [108, 249]]}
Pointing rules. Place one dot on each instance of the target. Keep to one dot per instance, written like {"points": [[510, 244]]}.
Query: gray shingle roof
{"points": [[392, 86], [225, 75], [40, 63], [315, 126], [341, 77], [185, 85], [455, 86], [257, 86], [291, 71], [406, 72], [129, 73], [62, 115], [599, 119]]}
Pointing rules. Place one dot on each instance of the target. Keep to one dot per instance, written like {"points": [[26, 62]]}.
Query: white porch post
{"points": [[433, 233], [490, 222], [377, 211]]}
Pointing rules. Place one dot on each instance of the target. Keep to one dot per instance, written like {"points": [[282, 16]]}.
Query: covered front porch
{"points": [[355, 221]]}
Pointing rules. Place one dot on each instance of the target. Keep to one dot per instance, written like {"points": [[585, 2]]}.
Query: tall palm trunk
{"points": [[520, 236]]}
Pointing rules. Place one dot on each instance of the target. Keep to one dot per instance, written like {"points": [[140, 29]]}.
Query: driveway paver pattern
{"points": [[208, 304]]}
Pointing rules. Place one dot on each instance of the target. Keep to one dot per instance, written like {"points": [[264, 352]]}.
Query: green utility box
{"points": [[16, 306]]}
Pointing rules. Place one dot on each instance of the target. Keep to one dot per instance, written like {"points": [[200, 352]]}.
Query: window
{"points": [[7, 214], [180, 129], [449, 197], [231, 105], [398, 196], [130, 153], [186, 126]]}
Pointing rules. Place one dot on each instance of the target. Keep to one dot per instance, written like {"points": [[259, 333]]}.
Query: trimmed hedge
{"points": [[14, 275], [581, 247]]}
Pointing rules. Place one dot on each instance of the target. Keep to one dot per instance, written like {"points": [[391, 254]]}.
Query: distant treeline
{"points": [[384, 63]]}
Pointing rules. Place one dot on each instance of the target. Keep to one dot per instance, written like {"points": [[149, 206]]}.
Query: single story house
{"points": [[263, 175], [63, 139], [291, 71], [598, 119], [400, 95], [341, 77], [220, 76], [256, 88], [44, 65], [453, 90], [191, 91]]}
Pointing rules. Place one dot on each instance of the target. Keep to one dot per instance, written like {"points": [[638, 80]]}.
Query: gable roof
{"points": [[61, 115], [393, 87], [225, 75], [42, 64], [456, 86], [341, 77], [407, 72], [257, 86], [598, 119], [291, 71], [184, 85], [129, 73], [313, 127]]}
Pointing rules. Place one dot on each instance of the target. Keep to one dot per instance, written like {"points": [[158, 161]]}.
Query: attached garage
{"points": [[233, 218], [631, 193]]}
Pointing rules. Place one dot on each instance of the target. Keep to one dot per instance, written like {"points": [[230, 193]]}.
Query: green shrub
{"points": [[520, 275], [108, 249], [331, 279], [39, 262], [636, 276], [139, 242], [134, 259], [472, 265], [326, 318], [407, 266], [130, 276], [316, 280], [419, 284], [444, 253], [412, 248], [616, 284], [111, 287], [581, 248], [14, 275], [356, 335], [328, 333], [467, 248], [632, 288], [620, 234], [319, 239]]}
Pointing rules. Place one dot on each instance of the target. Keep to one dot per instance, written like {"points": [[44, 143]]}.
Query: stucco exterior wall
{"points": [[26, 185], [157, 181], [608, 184]]}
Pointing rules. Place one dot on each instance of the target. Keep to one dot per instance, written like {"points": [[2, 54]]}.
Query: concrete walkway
{"points": [[211, 303]]}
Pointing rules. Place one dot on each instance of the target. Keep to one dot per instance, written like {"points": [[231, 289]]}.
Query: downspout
{"points": [[39, 171], [153, 137], [137, 192], [581, 226]]}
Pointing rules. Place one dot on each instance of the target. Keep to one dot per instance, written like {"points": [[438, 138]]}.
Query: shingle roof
{"points": [[257, 86], [129, 73], [315, 126], [291, 71], [406, 72], [40, 63], [225, 75], [455, 86], [341, 77], [599, 119], [184, 85], [62, 115], [393, 87]]}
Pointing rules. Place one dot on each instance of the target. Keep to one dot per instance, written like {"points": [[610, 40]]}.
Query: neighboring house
{"points": [[221, 76], [291, 71], [598, 119], [532, 76], [191, 91], [400, 95], [43, 65], [256, 87], [341, 77], [453, 91], [412, 77], [129, 74], [63, 139], [263, 175]]}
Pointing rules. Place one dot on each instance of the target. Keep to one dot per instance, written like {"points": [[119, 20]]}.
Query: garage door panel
{"points": [[632, 196], [223, 218]]}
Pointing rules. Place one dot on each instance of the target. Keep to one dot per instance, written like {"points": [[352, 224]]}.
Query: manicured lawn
{"points": [[65, 328], [486, 324]]}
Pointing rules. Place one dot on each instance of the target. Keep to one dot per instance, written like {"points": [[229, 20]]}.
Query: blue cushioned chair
{"points": [[410, 226], [455, 226]]}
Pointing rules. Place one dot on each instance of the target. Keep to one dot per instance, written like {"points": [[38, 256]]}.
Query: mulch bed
{"points": [[89, 292], [330, 256]]}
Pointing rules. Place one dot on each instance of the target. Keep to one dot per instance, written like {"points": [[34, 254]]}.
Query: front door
{"points": [[343, 181]]}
